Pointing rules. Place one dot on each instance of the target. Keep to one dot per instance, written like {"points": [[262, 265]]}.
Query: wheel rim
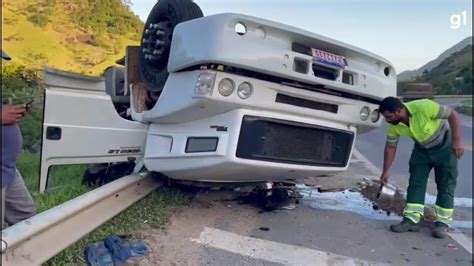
{"points": [[156, 42]]}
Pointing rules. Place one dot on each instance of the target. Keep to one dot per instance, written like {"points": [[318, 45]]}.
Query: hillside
{"points": [[452, 76], [83, 36], [406, 75]]}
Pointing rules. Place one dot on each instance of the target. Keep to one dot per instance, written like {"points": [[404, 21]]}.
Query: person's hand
{"points": [[458, 149], [12, 113], [384, 177]]}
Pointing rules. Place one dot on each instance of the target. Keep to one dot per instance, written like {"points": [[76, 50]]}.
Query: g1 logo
{"points": [[456, 20]]}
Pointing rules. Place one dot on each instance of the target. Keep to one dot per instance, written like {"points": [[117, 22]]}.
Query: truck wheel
{"points": [[157, 36]]}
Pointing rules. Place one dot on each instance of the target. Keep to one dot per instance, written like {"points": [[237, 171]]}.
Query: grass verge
{"points": [[152, 211], [467, 102], [465, 107]]}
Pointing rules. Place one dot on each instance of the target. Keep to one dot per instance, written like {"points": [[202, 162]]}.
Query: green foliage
{"points": [[19, 80], [54, 32], [39, 19], [31, 127], [40, 13], [64, 181], [14, 37], [111, 15], [21, 85], [10, 21], [452, 76]]}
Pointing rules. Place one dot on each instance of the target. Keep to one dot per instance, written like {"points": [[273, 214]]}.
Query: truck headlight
{"points": [[364, 113], [226, 87], [244, 90], [375, 115], [205, 84]]}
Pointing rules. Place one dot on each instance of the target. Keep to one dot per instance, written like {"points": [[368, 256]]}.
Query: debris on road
{"points": [[395, 204], [451, 247], [114, 251], [267, 199], [288, 207], [329, 189], [266, 229]]}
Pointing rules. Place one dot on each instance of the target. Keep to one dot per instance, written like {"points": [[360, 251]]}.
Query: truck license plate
{"points": [[327, 58]]}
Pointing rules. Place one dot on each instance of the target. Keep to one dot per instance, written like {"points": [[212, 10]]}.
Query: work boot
{"points": [[405, 226], [440, 230]]}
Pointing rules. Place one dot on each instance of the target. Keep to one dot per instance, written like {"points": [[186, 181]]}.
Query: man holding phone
{"points": [[17, 203]]}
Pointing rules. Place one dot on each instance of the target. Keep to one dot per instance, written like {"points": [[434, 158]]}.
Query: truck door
{"points": [[82, 126]]}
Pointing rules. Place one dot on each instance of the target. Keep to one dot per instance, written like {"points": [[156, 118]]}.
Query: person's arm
{"points": [[388, 158], [12, 113], [455, 125], [444, 112], [389, 153]]}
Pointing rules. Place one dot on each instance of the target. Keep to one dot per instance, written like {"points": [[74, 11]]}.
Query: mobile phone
{"points": [[28, 104]]}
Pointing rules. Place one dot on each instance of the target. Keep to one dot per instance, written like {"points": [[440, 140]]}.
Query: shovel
{"points": [[386, 190]]}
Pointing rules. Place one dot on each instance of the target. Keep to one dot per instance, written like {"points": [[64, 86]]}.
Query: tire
{"points": [[197, 10], [154, 52]]}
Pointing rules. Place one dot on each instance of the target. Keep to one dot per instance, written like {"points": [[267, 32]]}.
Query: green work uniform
{"points": [[430, 130]]}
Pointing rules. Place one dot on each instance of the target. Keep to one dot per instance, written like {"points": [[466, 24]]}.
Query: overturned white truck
{"points": [[222, 98]]}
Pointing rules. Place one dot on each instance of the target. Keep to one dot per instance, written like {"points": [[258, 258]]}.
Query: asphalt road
{"points": [[371, 145], [330, 228]]}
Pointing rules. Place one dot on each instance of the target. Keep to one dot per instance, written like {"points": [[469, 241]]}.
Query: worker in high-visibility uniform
{"points": [[436, 131]]}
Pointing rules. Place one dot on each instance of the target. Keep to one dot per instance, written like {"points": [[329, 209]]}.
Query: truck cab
{"points": [[244, 100]]}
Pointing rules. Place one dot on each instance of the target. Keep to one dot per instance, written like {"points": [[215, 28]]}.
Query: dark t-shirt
{"points": [[11, 148]]}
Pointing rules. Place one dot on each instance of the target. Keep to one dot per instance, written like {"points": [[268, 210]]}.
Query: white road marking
{"points": [[462, 239], [468, 147], [459, 237], [374, 169], [272, 251]]}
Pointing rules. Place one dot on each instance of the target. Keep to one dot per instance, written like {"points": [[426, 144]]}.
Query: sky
{"points": [[408, 33]]}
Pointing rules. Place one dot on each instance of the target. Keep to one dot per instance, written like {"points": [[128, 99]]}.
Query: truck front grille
{"points": [[275, 140]]}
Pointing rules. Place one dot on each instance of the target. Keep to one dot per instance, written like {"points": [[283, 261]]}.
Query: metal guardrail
{"points": [[37, 239], [452, 96]]}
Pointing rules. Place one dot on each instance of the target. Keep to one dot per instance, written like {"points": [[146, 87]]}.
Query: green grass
{"points": [[151, 212], [64, 183], [467, 102], [58, 43], [465, 107]]}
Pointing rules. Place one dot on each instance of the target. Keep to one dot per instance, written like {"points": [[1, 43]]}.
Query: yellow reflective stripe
{"points": [[440, 113], [391, 144], [441, 209], [443, 112], [448, 219], [415, 207], [392, 137], [447, 112], [414, 212], [444, 220], [392, 140], [443, 213], [414, 217]]}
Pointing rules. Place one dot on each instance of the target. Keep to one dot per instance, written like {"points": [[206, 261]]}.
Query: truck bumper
{"points": [[249, 146]]}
